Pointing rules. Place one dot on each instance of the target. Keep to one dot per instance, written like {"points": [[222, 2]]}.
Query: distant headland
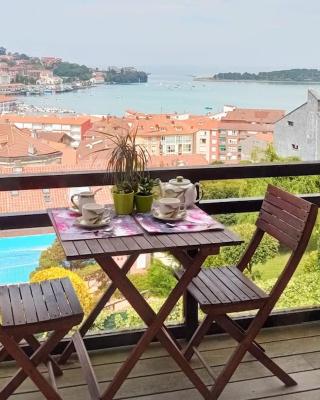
{"points": [[287, 75]]}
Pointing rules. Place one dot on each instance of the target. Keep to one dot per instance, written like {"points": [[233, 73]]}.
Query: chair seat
{"points": [[225, 290], [39, 305]]}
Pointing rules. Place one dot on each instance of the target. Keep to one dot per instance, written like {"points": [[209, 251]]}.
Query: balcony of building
{"points": [[290, 336]]}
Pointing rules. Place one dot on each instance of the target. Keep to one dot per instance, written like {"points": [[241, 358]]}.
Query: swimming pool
{"points": [[19, 256]]}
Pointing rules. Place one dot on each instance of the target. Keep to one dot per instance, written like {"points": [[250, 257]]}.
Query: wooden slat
{"points": [[143, 243], [94, 246], [248, 283], [165, 241], [71, 296], [212, 237], [213, 299], [201, 238], [192, 288], [283, 214], [106, 245], [237, 279], [64, 307], [130, 243], [118, 244], [283, 205], [277, 234], [17, 306], [28, 303], [177, 239], [188, 238], [155, 242], [214, 274], [219, 273], [82, 247], [290, 198], [213, 287], [69, 248], [39, 302], [289, 230], [5, 306], [50, 300]]}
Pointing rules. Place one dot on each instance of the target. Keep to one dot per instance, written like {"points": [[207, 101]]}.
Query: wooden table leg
{"points": [[154, 321], [87, 324]]}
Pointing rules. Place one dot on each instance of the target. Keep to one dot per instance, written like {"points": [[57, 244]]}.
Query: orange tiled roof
{"points": [[45, 119], [262, 116], [15, 143]]}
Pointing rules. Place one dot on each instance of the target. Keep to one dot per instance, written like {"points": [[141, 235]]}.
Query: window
{"points": [[171, 148], [14, 193], [290, 123], [233, 149], [232, 133], [214, 141], [232, 141], [186, 148], [213, 148], [203, 141], [295, 147], [222, 148]]}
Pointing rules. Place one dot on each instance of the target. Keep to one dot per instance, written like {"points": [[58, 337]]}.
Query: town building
{"points": [[75, 126], [254, 147], [7, 104], [297, 134], [5, 78], [18, 147]]}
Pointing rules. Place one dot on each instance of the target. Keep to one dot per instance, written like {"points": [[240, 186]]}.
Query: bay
{"points": [[165, 92]]}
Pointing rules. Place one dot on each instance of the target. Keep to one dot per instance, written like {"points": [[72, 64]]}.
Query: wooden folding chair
{"points": [[30, 309], [220, 291]]}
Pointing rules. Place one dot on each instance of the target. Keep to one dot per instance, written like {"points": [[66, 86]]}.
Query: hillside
{"points": [[289, 75]]}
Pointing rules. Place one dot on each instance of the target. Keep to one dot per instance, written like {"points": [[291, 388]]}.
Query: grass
{"points": [[273, 267]]}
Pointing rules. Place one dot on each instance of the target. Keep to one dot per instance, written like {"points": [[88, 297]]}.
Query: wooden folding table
{"points": [[103, 250]]}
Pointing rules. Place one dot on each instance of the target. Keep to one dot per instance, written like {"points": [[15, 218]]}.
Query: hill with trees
{"points": [[288, 75]]}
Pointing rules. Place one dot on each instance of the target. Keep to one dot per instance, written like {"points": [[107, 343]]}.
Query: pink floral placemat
{"points": [[64, 220], [195, 220]]}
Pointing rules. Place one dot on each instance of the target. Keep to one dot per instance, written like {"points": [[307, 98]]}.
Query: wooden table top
{"points": [[147, 243]]}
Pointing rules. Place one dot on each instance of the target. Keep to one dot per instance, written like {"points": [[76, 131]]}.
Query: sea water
{"points": [[165, 92], [20, 255]]}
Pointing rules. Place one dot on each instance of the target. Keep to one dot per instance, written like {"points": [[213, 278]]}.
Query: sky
{"points": [[210, 35]]}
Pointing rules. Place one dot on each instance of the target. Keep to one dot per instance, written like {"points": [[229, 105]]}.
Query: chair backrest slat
{"points": [[284, 216]]}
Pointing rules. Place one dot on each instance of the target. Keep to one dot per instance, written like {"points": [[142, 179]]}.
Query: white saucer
{"points": [[156, 214], [81, 222]]}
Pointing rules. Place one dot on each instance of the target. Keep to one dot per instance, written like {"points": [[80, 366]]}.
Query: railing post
{"points": [[190, 308]]}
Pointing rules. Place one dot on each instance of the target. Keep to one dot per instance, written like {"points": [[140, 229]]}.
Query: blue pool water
{"points": [[20, 255]]}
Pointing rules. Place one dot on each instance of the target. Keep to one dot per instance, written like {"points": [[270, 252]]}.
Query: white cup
{"points": [[93, 213], [80, 199], [170, 207]]}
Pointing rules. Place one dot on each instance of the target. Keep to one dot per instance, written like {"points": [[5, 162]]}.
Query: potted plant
{"points": [[126, 164], [144, 196]]}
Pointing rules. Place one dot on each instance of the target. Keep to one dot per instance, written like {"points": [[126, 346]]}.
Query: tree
{"points": [[267, 249], [73, 71], [3, 51], [78, 284], [54, 256]]}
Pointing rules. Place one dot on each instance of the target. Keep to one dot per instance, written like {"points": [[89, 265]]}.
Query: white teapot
{"points": [[182, 189]]}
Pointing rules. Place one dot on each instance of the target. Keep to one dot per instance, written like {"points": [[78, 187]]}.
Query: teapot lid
{"points": [[180, 180]]}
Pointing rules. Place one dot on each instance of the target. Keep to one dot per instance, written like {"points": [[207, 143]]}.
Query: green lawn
{"points": [[273, 267]]}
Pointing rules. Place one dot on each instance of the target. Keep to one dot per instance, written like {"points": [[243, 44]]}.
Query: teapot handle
{"points": [[75, 203], [199, 192]]}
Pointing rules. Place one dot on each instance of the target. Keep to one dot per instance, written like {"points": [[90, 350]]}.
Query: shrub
{"points": [[160, 279], [78, 283]]}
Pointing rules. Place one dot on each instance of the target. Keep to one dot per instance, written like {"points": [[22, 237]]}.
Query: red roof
{"points": [[15, 143], [45, 119], [261, 116]]}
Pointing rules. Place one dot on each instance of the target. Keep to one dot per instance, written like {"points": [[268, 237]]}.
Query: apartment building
{"points": [[7, 104], [297, 134], [75, 127]]}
